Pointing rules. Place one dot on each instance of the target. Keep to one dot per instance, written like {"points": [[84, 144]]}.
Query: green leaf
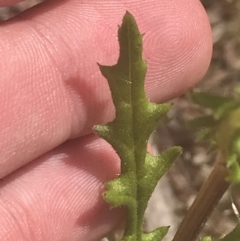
{"points": [[156, 235], [203, 121], [234, 235], [207, 239], [234, 168], [204, 134], [155, 167], [211, 101], [128, 133], [218, 104], [226, 131]]}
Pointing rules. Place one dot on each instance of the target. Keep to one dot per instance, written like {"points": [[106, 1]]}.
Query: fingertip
{"points": [[60, 93], [59, 196], [177, 47], [4, 3]]}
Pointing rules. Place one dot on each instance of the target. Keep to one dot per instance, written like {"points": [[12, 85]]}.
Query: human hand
{"points": [[51, 92]]}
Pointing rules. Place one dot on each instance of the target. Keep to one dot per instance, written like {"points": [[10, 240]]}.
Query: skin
{"points": [[51, 94]]}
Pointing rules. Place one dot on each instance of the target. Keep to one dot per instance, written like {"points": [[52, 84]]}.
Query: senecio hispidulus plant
{"points": [[129, 132], [136, 118]]}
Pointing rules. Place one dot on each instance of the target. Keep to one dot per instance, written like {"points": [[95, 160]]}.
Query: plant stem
{"points": [[203, 205]]}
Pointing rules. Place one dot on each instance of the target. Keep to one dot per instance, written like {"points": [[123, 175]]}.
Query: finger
{"points": [[4, 3], [51, 88], [59, 196]]}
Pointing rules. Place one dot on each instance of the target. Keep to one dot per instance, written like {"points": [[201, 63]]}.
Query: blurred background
{"points": [[176, 191]]}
